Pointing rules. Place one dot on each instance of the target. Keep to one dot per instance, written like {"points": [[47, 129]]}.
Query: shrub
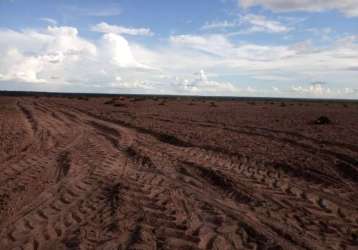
{"points": [[119, 105], [213, 104], [110, 102], [322, 120]]}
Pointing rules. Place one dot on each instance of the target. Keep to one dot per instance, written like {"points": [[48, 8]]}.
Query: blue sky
{"points": [[292, 48]]}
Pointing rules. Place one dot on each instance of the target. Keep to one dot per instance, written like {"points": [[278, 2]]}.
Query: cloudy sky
{"points": [[278, 48]]}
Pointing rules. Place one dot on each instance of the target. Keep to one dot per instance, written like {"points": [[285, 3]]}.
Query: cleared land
{"points": [[163, 173]]}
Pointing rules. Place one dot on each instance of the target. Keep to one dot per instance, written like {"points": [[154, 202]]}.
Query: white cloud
{"points": [[107, 28], [48, 20], [140, 85], [249, 23], [220, 46], [348, 7], [116, 50], [66, 40], [272, 63], [219, 25], [321, 90], [29, 55], [315, 89], [60, 55], [275, 89], [260, 23], [21, 68], [200, 84], [214, 43], [24, 40]]}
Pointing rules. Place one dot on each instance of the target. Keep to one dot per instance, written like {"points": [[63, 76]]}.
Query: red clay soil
{"points": [[150, 173]]}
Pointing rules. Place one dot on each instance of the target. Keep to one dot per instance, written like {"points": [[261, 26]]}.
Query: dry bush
{"points": [[213, 104], [119, 105], [137, 99], [111, 101], [83, 98], [322, 120]]}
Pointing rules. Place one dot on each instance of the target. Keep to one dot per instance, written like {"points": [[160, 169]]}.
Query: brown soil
{"points": [[149, 173]]}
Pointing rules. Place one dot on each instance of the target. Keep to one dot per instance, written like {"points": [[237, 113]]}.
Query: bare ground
{"points": [[141, 173]]}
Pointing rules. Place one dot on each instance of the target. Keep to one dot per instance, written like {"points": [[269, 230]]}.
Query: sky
{"points": [[265, 48]]}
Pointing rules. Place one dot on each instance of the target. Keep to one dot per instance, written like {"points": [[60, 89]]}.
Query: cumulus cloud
{"points": [[107, 28], [322, 90], [315, 89], [348, 7], [65, 40], [199, 83], [21, 68], [279, 63], [33, 54], [116, 50], [60, 55]]}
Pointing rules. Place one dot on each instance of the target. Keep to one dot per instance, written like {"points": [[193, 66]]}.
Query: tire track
{"points": [[94, 182]]}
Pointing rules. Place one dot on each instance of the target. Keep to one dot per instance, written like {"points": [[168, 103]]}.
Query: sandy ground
{"points": [[139, 173]]}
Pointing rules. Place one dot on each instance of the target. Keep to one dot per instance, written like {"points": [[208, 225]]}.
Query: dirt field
{"points": [[155, 173]]}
